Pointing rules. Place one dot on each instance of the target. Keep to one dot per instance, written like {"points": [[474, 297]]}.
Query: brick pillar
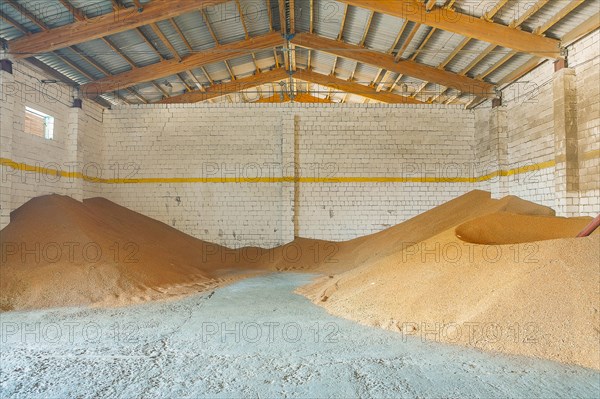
{"points": [[566, 174], [289, 207], [75, 150], [499, 149], [7, 104]]}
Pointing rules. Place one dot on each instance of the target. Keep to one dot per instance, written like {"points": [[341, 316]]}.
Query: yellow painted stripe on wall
{"points": [[288, 179]]}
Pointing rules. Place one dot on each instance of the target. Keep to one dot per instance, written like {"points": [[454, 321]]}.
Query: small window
{"points": [[38, 123]]}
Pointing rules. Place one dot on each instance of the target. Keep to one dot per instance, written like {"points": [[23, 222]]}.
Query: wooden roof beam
{"points": [[120, 20], [354, 88], [224, 89], [173, 66], [387, 61], [487, 16], [463, 24]]}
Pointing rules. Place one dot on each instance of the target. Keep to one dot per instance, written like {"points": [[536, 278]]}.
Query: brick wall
{"points": [[254, 174], [77, 139], [551, 125], [383, 142], [584, 58], [242, 150], [333, 147]]}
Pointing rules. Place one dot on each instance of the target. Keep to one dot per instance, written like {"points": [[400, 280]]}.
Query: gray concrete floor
{"points": [[253, 339]]}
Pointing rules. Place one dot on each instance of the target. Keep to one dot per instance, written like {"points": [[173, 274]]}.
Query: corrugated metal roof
{"points": [[383, 32], [429, 47], [356, 23], [255, 16], [328, 17], [132, 44], [195, 31], [105, 56], [226, 22]]}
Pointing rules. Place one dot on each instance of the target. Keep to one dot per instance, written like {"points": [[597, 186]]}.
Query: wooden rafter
{"points": [[540, 30], [423, 44], [292, 7], [406, 43], [224, 89], [367, 28], [383, 81], [566, 10], [209, 27], [282, 17], [77, 13], [488, 16], [354, 88], [430, 4], [80, 16], [463, 24], [242, 19], [343, 24], [21, 9], [165, 41], [299, 98], [386, 61], [269, 15], [311, 26], [173, 66], [398, 37], [104, 25], [14, 23], [590, 25], [529, 11]]}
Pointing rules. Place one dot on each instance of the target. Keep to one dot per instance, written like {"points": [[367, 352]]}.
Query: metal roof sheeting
{"points": [[427, 46]]}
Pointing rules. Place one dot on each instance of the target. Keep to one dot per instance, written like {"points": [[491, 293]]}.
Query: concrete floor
{"points": [[258, 339]]}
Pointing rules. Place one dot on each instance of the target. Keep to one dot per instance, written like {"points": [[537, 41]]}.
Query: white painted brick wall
{"points": [[26, 89], [585, 59], [328, 140], [379, 141]]}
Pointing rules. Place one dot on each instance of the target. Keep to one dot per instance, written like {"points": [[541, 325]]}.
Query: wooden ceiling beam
{"points": [[354, 88], [463, 24], [120, 20], [223, 89], [540, 30], [387, 61], [173, 66]]}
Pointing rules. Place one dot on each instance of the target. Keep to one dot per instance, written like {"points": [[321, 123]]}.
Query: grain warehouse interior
{"points": [[300, 198]]}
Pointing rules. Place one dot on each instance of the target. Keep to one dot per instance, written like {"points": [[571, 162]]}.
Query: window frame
{"points": [[48, 121]]}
